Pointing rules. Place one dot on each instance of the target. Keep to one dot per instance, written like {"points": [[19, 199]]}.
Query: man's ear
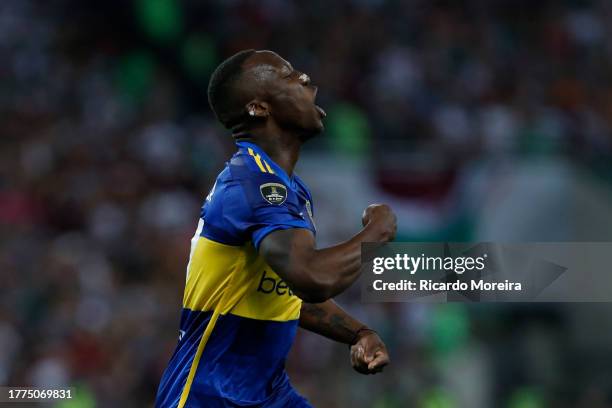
{"points": [[258, 109]]}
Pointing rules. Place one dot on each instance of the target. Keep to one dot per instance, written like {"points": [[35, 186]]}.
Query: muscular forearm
{"points": [[317, 275], [329, 320]]}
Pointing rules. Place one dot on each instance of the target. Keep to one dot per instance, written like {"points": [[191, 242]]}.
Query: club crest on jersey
{"points": [[274, 193]]}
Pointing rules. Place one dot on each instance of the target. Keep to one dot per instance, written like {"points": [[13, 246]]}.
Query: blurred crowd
{"points": [[108, 148]]}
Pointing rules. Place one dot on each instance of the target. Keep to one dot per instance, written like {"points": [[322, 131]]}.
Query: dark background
{"points": [[476, 120]]}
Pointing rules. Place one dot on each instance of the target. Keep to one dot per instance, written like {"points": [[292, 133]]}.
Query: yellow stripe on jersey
{"points": [[257, 159], [268, 298], [257, 292], [196, 360], [212, 267], [268, 167], [235, 280]]}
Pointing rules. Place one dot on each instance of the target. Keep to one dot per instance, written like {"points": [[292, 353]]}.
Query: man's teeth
{"points": [[321, 111]]}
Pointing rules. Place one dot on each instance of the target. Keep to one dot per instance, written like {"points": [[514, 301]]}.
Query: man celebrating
{"points": [[254, 272]]}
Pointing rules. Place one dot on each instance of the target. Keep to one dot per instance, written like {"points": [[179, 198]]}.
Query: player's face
{"points": [[289, 92]]}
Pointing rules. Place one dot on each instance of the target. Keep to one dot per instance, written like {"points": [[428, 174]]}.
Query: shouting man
{"points": [[254, 272]]}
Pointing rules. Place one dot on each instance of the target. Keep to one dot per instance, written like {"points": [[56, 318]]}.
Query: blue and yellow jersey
{"points": [[239, 318]]}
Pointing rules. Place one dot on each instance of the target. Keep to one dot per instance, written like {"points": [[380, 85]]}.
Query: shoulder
{"points": [[246, 164], [264, 190], [238, 200], [256, 179]]}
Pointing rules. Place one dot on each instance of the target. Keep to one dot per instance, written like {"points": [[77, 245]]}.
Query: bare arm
{"points": [[316, 275], [329, 320], [368, 352]]}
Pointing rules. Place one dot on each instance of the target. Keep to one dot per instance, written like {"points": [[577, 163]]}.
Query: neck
{"points": [[282, 147]]}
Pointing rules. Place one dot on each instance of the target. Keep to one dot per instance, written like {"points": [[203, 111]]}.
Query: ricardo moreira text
{"points": [[413, 264]]}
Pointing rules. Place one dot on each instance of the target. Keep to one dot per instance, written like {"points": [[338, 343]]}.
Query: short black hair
{"points": [[223, 97]]}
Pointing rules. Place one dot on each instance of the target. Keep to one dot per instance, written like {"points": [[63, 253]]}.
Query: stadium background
{"points": [[475, 120]]}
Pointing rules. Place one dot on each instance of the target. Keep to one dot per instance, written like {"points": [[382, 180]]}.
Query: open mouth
{"points": [[317, 107], [321, 111]]}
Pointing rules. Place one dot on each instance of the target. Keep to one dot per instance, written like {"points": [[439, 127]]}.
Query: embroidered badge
{"points": [[274, 193]]}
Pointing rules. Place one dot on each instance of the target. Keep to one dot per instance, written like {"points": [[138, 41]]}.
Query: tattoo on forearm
{"points": [[320, 320], [313, 311], [339, 323]]}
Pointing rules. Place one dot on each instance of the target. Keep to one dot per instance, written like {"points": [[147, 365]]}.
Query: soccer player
{"points": [[254, 272]]}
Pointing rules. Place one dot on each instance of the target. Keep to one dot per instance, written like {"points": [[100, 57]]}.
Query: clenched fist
{"points": [[369, 354], [381, 219]]}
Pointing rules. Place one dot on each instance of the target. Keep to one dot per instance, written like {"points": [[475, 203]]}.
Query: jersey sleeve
{"points": [[273, 206]]}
